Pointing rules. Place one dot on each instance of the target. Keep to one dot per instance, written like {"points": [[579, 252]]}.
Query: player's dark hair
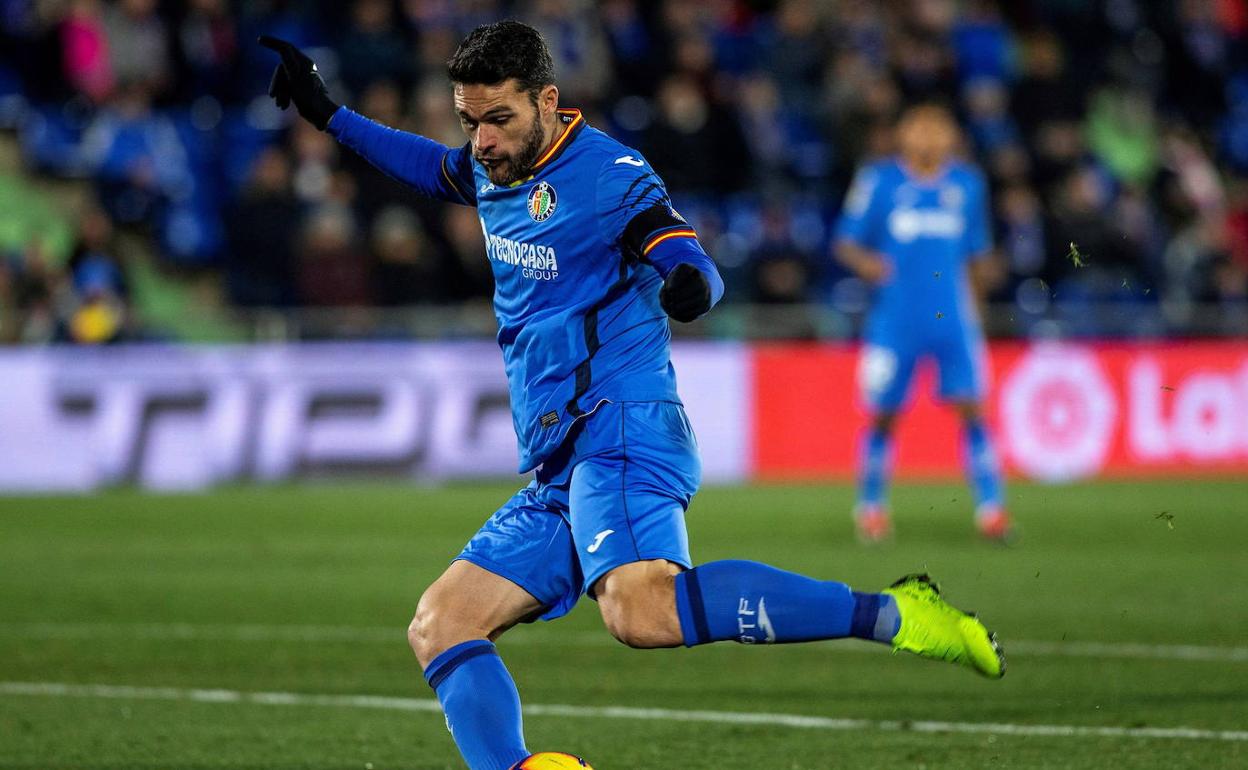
{"points": [[929, 106], [493, 53]]}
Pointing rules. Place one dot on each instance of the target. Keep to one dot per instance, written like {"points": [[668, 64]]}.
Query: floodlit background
{"points": [[202, 295], [196, 210], [153, 194]]}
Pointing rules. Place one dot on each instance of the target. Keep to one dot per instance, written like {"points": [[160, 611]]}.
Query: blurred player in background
{"points": [[917, 227], [590, 260]]}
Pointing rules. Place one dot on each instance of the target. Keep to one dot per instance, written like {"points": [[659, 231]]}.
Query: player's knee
{"points": [[637, 627], [430, 632], [638, 605], [421, 637]]}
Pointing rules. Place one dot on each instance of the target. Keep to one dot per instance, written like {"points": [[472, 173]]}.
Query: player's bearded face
{"points": [[504, 125], [519, 165]]}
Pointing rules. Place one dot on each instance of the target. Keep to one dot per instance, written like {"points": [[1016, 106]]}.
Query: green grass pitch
{"points": [[308, 590]]}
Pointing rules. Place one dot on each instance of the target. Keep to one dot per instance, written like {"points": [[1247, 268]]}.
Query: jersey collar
{"points": [[913, 177], [573, 122]]}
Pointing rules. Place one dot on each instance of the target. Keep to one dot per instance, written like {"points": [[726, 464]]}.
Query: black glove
{"points": [[686, 294], [297, 80]]}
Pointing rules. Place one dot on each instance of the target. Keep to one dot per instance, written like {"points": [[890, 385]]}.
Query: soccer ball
{"points": [[552, 760]]}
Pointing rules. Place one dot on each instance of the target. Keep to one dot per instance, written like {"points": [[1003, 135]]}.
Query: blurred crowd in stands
{"points": [[1114, 134]]}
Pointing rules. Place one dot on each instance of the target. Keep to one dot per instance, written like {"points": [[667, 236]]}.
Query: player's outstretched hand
{"points": [[686, 294], [296, 80]]}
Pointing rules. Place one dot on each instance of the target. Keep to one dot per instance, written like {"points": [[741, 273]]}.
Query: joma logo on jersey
{"points": [[537, 261], [542, 201]]}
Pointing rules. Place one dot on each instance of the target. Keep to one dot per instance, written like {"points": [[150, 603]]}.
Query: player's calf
{"points": [[452, 635], [754, 603], [638, 604]]}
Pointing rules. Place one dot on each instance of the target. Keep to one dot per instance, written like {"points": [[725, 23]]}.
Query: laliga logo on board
{"points": [[1058, 413], [1208, 413]]}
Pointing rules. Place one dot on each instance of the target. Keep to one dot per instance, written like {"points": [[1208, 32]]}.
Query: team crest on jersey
{"points": [[951, 196], [542, 201]]}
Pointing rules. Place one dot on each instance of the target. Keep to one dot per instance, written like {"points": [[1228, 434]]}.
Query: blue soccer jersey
{"points": [[928, 229], [574, 250]]}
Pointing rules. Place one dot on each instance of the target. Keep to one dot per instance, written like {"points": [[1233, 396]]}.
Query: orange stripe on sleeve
{"points": [[451, 181], [670, 234]]}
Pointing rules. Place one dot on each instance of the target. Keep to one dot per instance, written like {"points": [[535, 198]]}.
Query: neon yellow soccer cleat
{"points": [[932, 628]]}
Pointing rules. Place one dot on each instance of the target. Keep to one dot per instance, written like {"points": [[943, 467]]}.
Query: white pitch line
{"points": [[50, 689], [207, 632], [395, 635], [1129, 650]]}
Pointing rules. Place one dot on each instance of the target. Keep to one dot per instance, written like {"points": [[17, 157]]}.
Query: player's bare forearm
{"points": [[867, 264], [987, 272]]}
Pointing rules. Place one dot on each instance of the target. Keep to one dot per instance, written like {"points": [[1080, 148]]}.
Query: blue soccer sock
{"points": [[751, 603], [875, 464], [982, 469], [481, 704]]}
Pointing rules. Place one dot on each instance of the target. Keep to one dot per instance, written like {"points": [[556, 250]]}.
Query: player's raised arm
{"points": [[430, 167], [637, 215]]}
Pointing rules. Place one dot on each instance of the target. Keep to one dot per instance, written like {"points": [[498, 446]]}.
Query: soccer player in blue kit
{"points": [[911, 225], [590, 260]]}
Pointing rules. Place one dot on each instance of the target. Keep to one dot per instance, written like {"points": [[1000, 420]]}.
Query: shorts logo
{"points": [[598, 538], [542, 201]]}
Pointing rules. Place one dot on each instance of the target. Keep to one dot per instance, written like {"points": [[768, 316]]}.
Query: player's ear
{"points": [[548, 99]]}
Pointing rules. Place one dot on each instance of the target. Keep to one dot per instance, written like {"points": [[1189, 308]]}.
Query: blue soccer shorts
{"points": [[614, 493], [887, 365]]}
